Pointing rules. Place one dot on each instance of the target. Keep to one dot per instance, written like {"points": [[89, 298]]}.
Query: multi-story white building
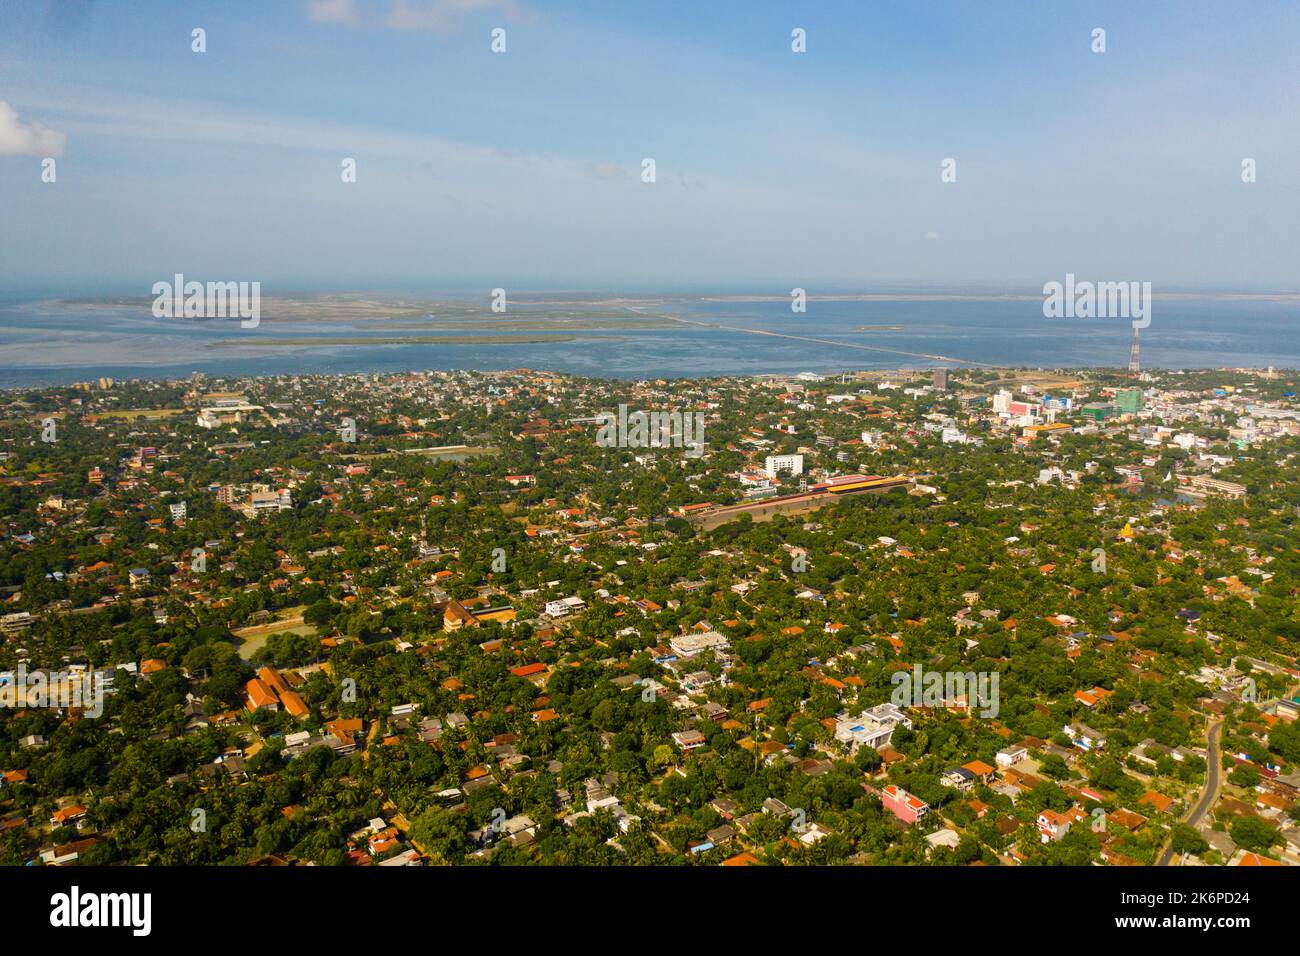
{"points": [[1207, 485], [779, 463], [565, 606], [260, 502], [1010, 756], [871, 728]]}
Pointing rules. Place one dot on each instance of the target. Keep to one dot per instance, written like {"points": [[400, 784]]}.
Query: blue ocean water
{"points": [[55, 342]]}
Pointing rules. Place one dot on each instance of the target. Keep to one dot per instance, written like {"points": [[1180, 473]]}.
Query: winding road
{"points": [[1212, 774]]}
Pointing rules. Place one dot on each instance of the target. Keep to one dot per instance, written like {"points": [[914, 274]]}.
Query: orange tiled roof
{"points": [[259, 695], [1159, 801], [342, 727], [294, 704], [1254, 859], [272, 679]]}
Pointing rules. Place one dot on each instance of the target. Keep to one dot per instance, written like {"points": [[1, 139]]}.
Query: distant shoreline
{"points": [[53, 343], [327, 342], [1009, 376], [372, 305]]}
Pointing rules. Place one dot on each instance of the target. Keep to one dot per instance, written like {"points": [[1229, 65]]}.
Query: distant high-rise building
{"points": [[1133, 365], [779, 463], [941, 379]]}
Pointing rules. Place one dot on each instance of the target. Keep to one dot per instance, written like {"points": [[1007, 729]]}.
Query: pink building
{"points": [[902, 804]]}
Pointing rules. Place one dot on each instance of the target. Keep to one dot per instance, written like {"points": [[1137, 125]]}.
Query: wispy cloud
{"points": [[183, 121], [333, 11], [19, 138], [606, 170], [405, 15], [439, 14]]}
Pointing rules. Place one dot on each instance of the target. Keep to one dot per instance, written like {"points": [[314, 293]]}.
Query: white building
{"points": [[689, 739], [779, 463], [687, 646], [261, 502], [871, 728], [565, 606], [1011, 756]]}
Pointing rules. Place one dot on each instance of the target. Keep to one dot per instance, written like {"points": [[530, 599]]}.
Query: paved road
{"points": [[1211, 789]]}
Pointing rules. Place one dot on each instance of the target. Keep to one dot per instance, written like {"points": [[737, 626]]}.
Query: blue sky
{"points": [[521, 170]]}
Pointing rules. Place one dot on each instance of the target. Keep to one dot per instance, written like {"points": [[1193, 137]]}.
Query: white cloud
{"points": [[404, 15], [438, 14], [931, 236], [332, 11], [146, 120], [27, 139], [606, 170]]}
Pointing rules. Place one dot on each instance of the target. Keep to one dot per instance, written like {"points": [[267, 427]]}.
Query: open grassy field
{"points": [[128, 414], [253, 638]]}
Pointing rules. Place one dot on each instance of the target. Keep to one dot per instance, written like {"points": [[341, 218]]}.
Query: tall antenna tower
{"points": [[1133, 365]]}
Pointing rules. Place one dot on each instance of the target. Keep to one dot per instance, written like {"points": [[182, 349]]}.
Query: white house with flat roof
{"points": [[687, 646], [872, 728], [565, 606]]}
